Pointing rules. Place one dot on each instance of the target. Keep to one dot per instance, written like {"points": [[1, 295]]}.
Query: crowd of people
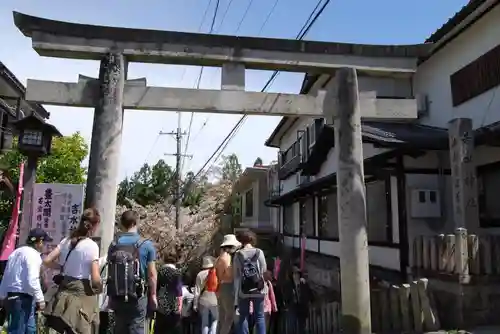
{"points": [[232, 293]]}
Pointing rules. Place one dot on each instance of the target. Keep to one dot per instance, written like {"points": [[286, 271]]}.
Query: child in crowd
{"points": [[270, 305]]}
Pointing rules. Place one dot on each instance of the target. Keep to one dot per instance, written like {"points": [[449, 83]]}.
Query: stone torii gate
{"points": [[342, 104]]}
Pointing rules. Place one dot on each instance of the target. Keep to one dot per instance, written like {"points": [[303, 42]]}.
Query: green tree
{"points": [[230, 167], [63, 165], [149, 185], [258, 162]]}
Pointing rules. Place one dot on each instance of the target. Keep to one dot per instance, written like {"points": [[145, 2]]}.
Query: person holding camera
{"points": [[72, 309], [20, 290]]}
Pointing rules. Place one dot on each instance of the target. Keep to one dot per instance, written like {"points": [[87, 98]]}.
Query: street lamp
{"points": [[34, 141], [35, 136]]}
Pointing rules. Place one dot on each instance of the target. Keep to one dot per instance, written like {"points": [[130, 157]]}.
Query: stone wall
{"points": [[466, 305]]}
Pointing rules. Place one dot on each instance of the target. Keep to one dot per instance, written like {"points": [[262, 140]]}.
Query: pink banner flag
{"points": [[277, 264], [9, 240]]}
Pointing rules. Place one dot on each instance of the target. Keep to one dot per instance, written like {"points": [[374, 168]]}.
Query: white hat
{"points": [[207, 262], [230, 240]]}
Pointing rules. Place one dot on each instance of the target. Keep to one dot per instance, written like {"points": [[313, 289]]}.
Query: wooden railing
{"points": [[459, 254], [408, 308]]}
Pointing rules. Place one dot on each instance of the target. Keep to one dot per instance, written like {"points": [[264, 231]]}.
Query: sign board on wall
{"points": [[56, 209]]}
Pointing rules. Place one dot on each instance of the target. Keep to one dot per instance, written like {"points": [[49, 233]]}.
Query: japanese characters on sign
{"points": [[464, 180], [56, 209]]}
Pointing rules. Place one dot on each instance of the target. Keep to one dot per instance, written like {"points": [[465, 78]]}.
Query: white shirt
{"points": [[22, 274], [80, 260]]}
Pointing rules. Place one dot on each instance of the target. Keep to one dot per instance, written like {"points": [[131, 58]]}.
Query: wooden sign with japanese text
{"points": [[56, 209]]}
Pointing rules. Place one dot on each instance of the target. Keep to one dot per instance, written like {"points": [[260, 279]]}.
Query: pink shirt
{"points": [[269, 300]]}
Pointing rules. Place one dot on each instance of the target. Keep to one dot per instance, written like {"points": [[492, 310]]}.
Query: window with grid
{"points": [[476, 78]]}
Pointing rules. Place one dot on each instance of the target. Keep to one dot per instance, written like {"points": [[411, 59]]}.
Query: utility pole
{"points": [[178, 155]]}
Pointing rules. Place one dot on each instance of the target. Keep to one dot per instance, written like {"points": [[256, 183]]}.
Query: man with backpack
{"points": [[132, 277], [249, 265]]}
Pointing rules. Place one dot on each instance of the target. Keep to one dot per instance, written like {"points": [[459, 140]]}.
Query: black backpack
{"points": [[125, 280], [252, 281]]}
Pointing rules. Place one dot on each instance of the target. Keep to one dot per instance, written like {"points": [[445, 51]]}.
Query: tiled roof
{"points": [[459, 16], [14, 81], [405, 134]]}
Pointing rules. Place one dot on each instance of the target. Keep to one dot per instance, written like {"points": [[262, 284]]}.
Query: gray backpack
{"points": [[125, 280]]}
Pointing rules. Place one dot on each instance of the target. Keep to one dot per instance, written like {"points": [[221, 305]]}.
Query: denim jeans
{"points": [[258, 315], [21, 314], [209, 317], [130, 316]]}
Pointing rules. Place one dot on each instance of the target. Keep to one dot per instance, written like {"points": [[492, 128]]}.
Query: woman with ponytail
{"points": [[73, 309]]}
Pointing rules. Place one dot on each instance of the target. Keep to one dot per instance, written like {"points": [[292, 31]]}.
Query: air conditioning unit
{"points": [[422, 104]]}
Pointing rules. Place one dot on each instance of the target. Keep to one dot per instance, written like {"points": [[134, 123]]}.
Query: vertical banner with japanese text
{"points": [[56, 209]]}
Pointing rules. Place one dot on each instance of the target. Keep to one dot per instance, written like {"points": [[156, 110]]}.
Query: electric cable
{"points": [[199, 29], [186, 146], [302, 33], [182, 77], [269, 14], [244, 16]]}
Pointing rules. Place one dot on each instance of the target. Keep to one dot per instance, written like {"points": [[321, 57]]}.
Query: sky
{"points": [[354, 21]]}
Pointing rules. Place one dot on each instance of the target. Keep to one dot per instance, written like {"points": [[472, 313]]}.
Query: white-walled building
{"points": [[407, 165]]}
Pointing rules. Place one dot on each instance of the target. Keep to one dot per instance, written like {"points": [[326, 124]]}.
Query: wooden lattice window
{"points": [[476, 78]]}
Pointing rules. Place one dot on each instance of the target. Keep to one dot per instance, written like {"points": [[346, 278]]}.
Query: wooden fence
{"points": [[408, 308], [324, 319], [460, 253]]}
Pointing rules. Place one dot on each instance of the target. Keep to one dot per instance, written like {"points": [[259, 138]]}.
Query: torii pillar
{"points": [[343, 109], [105, 145]]}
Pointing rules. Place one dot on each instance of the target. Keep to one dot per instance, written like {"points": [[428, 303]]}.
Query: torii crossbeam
{"points": [[111, 93]]}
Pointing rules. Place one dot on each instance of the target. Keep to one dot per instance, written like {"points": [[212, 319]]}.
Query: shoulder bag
{"points": [[58, 278]]}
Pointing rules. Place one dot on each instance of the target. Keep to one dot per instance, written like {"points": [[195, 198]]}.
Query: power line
{"points": [[181, 79], [269, 14], [268, 17], [307, 26], [198, 85], [224, 14], [302, 33], [237, 126], [244, 16], [184, 69]]}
